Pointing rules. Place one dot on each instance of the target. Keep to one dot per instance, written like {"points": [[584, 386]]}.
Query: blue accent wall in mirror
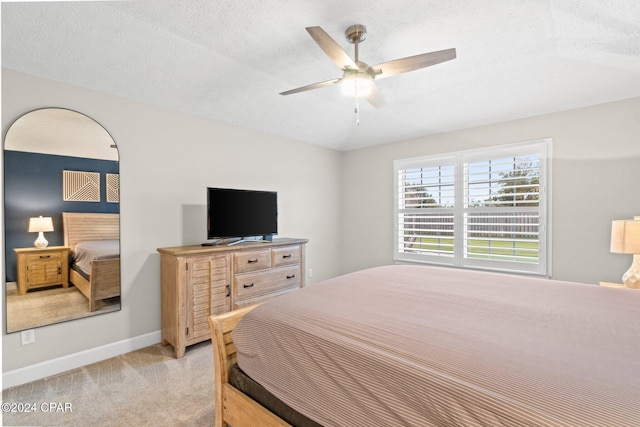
{"points": [[33, 187]]}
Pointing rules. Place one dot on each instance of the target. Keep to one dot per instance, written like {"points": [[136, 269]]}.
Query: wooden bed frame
{"points": [[232, 406], [104, 280]]}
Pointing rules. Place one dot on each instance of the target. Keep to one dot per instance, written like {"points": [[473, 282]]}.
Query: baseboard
{"points": [[77, 360]]}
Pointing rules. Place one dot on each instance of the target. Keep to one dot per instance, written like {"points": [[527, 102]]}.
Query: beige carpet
{"points": [[47, 306], [148, 387]]}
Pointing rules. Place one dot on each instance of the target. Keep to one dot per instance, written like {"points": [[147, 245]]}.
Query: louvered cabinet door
{"points": [[207, 294]]}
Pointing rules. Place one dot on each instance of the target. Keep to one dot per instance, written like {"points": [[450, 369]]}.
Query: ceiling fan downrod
{"points": [[356, 34]]}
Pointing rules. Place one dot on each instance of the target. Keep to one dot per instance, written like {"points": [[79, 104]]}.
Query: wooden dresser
{"points": [[198, 281]]}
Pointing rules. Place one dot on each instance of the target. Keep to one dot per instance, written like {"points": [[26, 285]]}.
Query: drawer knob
{"points": [[45, 256], [248, 286], [286, 256], [251, 261], [291, 276]]}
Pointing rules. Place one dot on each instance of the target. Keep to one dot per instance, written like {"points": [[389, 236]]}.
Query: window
{"points": [[479, 209]]}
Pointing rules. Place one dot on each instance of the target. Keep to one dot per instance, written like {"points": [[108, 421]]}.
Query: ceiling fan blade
{"points": [[375, 97], [331, 48], [410, 63], [310, 87]]}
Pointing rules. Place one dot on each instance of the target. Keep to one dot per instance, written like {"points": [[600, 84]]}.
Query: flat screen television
{"points": [[235, 213]]}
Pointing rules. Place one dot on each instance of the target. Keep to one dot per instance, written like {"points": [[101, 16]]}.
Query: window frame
{"points": [[541, 147]]}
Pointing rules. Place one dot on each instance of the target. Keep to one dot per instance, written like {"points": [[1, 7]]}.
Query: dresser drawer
{"points": [[286, 255], [245, 302], [251, 284], [251, 261], [46, 258]]}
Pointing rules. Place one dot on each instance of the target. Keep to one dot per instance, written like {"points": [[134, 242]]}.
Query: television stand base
{"points": [[243, 241]]}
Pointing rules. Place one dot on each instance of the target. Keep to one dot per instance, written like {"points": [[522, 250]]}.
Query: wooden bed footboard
{"points": [[104, 281], [105, 278], [232, 406]]}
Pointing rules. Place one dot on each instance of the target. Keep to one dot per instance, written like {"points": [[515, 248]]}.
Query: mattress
{"points": [[86, 252], [428, 346], [248, 386]]}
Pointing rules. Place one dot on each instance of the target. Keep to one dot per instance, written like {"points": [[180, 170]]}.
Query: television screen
{"points": [[241, 213]]}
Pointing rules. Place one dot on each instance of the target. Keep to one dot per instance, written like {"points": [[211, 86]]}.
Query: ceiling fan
{"points": [[358, 78]]}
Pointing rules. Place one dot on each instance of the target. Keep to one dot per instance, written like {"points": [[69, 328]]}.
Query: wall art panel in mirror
{"points": [[62, 219]]}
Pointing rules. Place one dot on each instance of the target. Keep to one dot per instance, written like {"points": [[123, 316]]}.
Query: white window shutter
{"points": [[479, 209]]}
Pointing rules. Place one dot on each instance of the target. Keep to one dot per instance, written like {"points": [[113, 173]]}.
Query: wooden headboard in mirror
{"points": [[86, 226]]}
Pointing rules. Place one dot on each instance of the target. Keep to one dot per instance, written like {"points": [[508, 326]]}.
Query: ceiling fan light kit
{"points": [[356, 86], [358, 77]]}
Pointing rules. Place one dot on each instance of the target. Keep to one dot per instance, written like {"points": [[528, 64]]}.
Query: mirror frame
{"points": [[52, 174]]}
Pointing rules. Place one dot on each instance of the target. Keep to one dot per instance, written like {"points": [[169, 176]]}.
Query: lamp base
{"points": [[41, 242], [631, 278]]}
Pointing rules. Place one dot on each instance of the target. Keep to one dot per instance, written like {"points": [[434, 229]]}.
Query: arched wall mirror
{"points": [[61, 184]]}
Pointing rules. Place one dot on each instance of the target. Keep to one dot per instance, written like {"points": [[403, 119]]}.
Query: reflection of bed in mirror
{"points": [[94, 242]]}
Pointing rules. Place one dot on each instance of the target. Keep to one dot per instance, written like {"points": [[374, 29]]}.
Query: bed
{"points": [[95, 253], [414, 345]]}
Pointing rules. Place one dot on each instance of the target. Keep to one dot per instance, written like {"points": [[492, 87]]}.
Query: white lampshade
{"points": [[40, 223], [625, 236], [625, 239]]}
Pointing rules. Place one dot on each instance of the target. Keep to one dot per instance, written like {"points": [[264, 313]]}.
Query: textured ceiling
{"points": [[228, 60]]}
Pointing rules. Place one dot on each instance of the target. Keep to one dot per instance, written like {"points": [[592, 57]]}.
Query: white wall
{"points": [[595, 180], [166, 161], [342, 202]]}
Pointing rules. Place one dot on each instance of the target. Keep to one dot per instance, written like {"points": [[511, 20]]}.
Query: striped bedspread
{"points": [[428, 346]]}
